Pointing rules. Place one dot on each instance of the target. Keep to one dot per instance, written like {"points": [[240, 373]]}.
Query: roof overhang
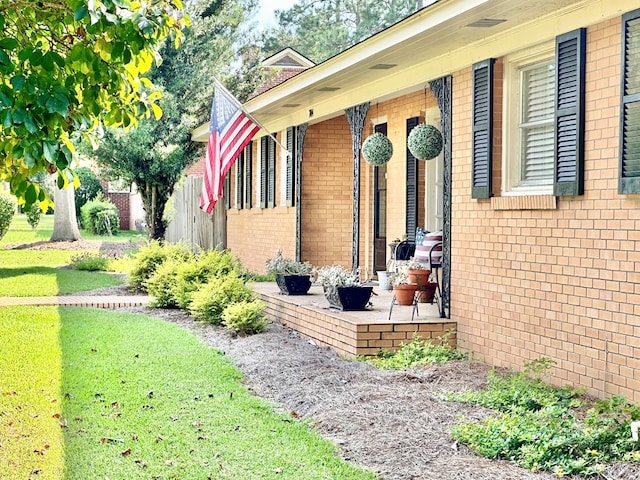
{"points": [[433, 42]]}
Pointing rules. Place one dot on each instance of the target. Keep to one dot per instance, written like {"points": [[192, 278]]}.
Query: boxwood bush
{"points": [[100, 217], [150, 257], [7, 210], [210, 300], [245, 317]]}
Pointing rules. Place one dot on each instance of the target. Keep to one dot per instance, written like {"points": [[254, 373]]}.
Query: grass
{"points": [[139, 398], [37, 273], [25, 273], [21, 232]]}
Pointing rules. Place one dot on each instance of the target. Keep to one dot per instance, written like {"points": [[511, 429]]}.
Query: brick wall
{"points": [[256, 234], [560, 283]]}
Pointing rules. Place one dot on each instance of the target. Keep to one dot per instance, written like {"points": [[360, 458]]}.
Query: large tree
{"points": [[320, 29], [68, 67], [155, 154]]}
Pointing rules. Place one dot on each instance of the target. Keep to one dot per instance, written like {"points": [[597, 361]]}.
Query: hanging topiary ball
{"points": [[377, 149], [425, 142]]}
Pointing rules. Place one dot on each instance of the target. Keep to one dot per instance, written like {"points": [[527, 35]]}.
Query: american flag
{"points": [[230, 130]]}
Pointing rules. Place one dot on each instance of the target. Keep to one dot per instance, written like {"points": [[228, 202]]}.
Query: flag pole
{"points": [[251, 117]]}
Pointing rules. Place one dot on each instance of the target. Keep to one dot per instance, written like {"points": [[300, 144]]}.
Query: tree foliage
{"points": [[66, 66], [155, 154], [320, 29]]}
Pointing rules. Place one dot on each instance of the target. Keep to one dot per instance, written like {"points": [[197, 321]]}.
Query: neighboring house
{"points": [[537, 191]]}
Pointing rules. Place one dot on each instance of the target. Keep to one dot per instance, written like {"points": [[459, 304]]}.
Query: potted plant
{"points": [[403, 290], [343, 288], [420, 274], [377, 149], [292, 277], [425, 142]]}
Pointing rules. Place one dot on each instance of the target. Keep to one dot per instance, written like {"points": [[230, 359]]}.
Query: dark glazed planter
{"points": [[350, 298], [293, 284]]}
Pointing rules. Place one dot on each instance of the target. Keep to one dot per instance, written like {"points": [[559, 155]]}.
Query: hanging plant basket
{"points": [[425, 142], [377, 149]]}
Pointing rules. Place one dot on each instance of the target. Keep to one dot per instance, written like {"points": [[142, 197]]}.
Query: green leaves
{"points": [[63, 70]]}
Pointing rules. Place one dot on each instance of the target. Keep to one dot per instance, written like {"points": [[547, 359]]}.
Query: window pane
{"points": [[538, 103]]}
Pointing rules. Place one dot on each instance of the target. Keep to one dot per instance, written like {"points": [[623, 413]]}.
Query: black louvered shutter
{"points": [[264, 178], [411, 222], [271, 172], [569, 114], [629, 173], [240, 181], [227, 190], [482, 148], [248, 169], [291, 166]]}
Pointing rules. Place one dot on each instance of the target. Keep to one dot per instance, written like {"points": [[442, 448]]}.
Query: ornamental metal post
{"points": [[442, 90], [301, 131], [355, 116]]}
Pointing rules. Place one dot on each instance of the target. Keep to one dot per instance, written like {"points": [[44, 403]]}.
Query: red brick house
{"points": [[537, 191]]}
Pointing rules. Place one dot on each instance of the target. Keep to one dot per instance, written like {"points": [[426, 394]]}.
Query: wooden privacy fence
{"points": [[190, 224]]}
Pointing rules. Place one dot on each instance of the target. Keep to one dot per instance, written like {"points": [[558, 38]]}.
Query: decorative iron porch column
{"points": [[301, 131], [355, 116], [441, 88]]}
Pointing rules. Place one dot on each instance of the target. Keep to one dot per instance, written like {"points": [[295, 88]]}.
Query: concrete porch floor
{"points": [[354, 333]]}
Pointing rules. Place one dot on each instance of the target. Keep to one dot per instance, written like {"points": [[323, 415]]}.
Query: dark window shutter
{"points": [[248, 169], [629, 172], [227, 190], [271, 172], [411, 222], [240, 181], [291, 165], [482, 148], [569, 114], [264, 179]]}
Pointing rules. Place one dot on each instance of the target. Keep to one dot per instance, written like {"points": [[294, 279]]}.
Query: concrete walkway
{"points": [[97, 301]]}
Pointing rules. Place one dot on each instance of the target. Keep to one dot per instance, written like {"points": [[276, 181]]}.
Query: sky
{"points": [[265, 16]]}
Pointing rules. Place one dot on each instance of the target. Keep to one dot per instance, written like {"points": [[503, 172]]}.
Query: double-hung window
{"points": [[543, 120]]}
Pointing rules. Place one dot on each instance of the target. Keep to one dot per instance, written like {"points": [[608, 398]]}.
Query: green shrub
{"points": [[541, 427], [90, 261], [245, 317], [162, 283], [418, 352], [210, 300], [89, 187], [149, 257], [203, 267], [33, 215], [7, 210], [100, 217]]}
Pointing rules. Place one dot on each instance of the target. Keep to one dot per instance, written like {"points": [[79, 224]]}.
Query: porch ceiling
{"points": [[433, 42]]}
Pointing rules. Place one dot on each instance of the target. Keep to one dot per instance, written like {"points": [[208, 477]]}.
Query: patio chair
{"points": [[403, 251]]}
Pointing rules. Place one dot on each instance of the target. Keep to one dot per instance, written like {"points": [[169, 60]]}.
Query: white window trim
{"points": [[511, 165]]}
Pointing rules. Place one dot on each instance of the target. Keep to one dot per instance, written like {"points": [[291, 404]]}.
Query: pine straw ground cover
{"points": [[393, 422]]}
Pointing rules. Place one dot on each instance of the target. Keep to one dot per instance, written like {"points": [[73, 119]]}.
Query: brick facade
{"points": [[559, 283], [531, 276]]}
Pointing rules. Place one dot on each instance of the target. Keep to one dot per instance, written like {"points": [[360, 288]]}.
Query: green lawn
{"points": [[138, 398], [21, 232], [35, 273]]}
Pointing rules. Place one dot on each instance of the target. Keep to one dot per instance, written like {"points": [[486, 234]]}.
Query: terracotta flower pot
{"points": [[425, 293], [405, 293], [419, 276]]}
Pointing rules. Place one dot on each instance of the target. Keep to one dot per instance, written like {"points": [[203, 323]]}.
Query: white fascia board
{"points": [[421, 21]]}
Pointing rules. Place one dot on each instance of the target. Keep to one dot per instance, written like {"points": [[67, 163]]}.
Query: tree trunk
{"points": [[65, 223], [153, 203]]}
